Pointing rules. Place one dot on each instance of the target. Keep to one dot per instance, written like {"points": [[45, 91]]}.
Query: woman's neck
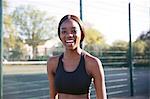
{"points": [[72, 53]]}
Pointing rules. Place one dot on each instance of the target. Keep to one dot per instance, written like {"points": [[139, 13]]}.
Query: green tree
{"points": [[139, 47], [12, 44], [93, 36], [34, 26], [9, 32], [5, 4], [8, 28], [94, 41], [119, 45], [145, 36]]}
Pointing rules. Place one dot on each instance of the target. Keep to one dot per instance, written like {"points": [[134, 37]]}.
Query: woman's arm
{"points": [[51, 64], [96, 70], [99, 80]]}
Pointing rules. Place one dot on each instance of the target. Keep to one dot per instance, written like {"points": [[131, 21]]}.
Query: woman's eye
{"points": [[74, 31], [64, 32]]}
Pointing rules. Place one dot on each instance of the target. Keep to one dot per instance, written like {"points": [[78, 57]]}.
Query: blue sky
{"points": [[110, 17]]}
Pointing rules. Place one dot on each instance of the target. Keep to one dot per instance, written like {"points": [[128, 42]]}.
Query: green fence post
{"points": [[81, 13], [1, 52], [130, 54], [81, 17]]}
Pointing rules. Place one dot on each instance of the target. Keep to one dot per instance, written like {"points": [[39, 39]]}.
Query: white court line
{"points": [[29, 90], [113, 69], [40, 97], [121, 74], [24, 62], [117, 86], [115, 63], [117, 80], [117, 92], [20, 83]]}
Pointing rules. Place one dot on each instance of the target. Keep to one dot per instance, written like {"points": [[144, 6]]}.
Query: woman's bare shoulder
{"points": [[52, 63], [93, 64], [52, 60], [90, 58]]}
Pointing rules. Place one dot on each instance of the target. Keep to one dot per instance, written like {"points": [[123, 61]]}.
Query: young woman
{"points": [[70, 73]]}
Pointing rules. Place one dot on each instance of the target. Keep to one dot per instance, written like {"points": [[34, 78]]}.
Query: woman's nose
{"points": [[69, 34]]}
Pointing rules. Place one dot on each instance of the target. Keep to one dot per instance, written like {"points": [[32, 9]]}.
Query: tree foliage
{"points": [[94, 40], [119, 45], [5, 4], [10, 33], [33, 26], [139, 47], [93, 36], [12, 44], [8, 28], [145, 36]]}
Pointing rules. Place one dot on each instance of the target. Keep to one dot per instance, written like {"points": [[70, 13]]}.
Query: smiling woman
{"points": [[70, 33], [70, 73]]}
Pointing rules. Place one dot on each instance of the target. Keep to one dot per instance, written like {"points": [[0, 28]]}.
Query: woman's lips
{"points": [[69, 42]]}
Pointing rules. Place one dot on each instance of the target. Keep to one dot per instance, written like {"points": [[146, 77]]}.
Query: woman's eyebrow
{"points": [[74, 28], [63, 28]]}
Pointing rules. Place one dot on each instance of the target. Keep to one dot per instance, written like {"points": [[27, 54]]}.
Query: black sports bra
{"points": [[76, 82]]}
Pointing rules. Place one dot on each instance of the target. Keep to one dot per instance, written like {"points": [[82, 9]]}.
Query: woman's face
{"points": [[70, 34]]}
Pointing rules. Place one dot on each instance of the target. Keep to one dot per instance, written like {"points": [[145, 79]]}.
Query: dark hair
{"points": [[75, 18]]}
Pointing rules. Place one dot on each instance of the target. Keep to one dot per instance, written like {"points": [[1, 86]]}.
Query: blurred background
{"points": [[30, 37]]}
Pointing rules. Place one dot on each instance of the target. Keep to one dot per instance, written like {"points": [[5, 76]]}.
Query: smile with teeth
{"points": [[70, 42]]}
